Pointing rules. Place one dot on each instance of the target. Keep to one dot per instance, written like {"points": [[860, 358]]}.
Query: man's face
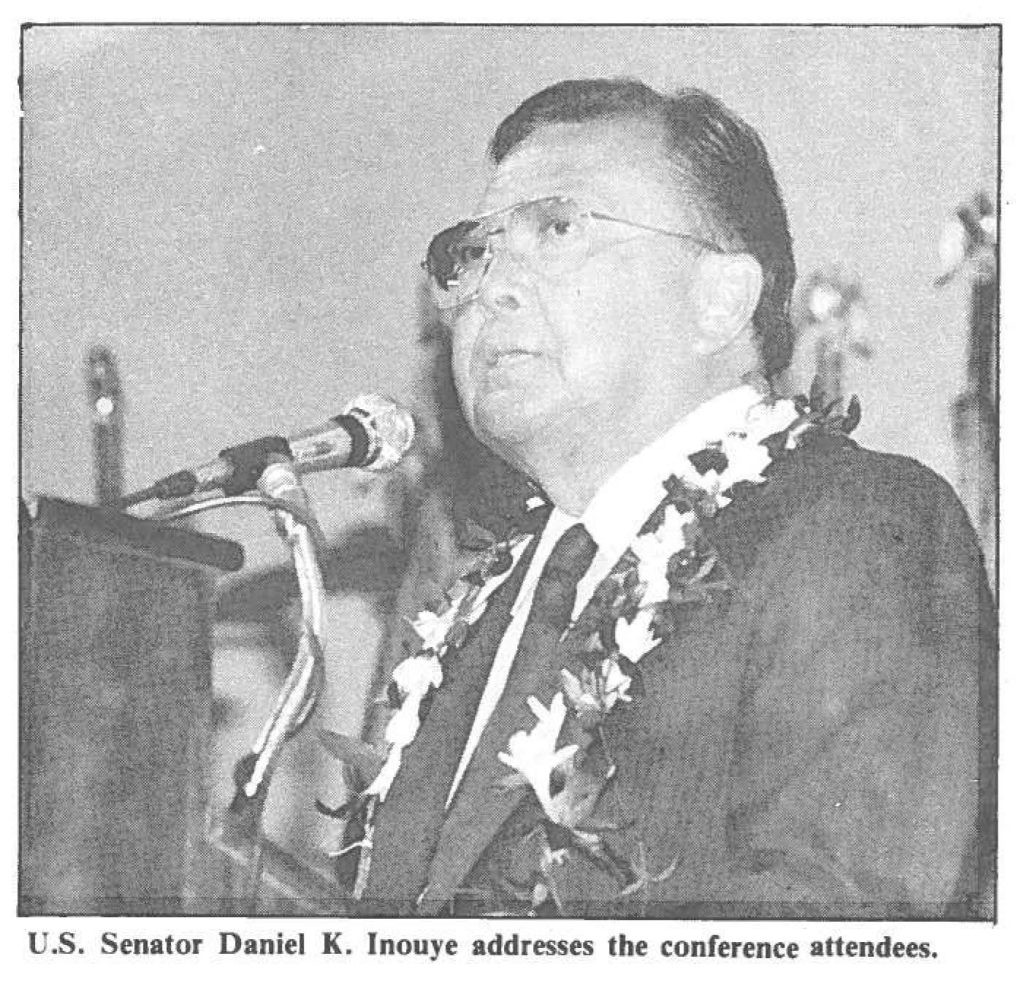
{"points": [[539, 359]]}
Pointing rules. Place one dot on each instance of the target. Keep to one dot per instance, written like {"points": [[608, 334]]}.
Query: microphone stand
{"points": [[281, 491], [302, 688]]}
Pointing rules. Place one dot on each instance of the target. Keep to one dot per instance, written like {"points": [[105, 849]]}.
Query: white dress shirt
{"points": [[613, 518]]}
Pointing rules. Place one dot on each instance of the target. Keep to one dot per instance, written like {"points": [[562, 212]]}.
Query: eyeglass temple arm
{"points": [[653, 228]]}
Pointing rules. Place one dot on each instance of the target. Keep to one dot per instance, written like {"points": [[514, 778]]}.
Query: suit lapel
{"points": [[482, 803], [408, 820]]}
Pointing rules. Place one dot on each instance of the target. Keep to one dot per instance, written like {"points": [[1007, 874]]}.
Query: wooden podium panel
{"points": [[114, 713]]}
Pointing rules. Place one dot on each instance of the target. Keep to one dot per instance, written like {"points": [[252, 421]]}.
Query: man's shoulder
{"points": [[834, 489], [841, 469]]}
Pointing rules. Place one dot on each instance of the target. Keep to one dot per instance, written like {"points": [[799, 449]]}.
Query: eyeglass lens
{"points": [[551, 233]]}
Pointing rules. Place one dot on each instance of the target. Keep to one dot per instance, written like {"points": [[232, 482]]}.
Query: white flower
{"points": [[433, 628], [614, 683], [380, 785], [414, 678], [417, 674], [796, 435], [765, 419], [404, 723], [824, 302], [653, 551], [400, 733], [653, 577], [635, 638], [748, 459], [533, 754]]}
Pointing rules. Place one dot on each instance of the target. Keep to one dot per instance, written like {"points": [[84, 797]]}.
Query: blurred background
{"points": [[231, 220]]}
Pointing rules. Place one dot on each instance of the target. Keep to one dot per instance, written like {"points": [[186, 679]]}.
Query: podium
{"points": [[114, 712], [115, 728]]}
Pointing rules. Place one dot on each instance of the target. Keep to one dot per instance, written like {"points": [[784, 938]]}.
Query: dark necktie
{"points": [[482, 802], [407, 832], [556, 588]]}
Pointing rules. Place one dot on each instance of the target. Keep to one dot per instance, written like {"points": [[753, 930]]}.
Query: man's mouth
{"points": [[509, 356]]}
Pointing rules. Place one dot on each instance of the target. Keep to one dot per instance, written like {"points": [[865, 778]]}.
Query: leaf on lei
{"points": [[361, 764], [815, 418], [573, 804], [533, 753], [644, 879], [852, 419], [593, 694], [816, 396], [364, 760], [608, 591], [709, 459], [502, 562], [585, 646], [594, 848], [685, 497], [460, 630]]}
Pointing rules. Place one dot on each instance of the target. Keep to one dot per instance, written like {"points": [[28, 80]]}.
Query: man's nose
{"points": [[506, 285]]}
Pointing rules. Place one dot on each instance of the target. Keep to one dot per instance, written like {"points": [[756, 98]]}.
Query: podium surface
{"points": [[114, 712]]}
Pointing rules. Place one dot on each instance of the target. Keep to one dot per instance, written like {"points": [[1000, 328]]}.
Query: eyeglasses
{"points": [[554, 236]]}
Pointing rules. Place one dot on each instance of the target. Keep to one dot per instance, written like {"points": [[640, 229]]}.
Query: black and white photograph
{"points": [[508, 473]]}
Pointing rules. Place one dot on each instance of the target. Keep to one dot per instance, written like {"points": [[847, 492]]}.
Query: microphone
{"points": [[371, 432]]}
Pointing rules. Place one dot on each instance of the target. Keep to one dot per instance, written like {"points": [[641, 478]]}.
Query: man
{"points": [[739, 666]]}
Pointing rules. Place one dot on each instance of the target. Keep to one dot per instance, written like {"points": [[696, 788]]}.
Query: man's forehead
{"points": [[612, 166]]}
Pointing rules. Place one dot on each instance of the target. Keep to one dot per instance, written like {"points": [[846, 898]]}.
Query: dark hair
{"points": [[722, 162]]}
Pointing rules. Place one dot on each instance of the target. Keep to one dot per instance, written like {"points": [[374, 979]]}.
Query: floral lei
{"points": [[670, 566]]}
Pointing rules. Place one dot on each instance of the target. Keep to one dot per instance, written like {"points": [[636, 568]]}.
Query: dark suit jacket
{"points": [[818, 744]]}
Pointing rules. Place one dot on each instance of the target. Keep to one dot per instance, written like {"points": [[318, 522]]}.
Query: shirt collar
{"points": [[626, 499]]}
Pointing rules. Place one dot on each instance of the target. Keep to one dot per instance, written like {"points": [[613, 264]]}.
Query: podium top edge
{"points": [[117, 530]]}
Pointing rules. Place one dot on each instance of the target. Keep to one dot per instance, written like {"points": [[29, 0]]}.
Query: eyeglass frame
{"points": [[581, 211]]}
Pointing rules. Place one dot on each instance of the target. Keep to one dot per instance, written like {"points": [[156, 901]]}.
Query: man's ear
{"points": [[726, 294]]}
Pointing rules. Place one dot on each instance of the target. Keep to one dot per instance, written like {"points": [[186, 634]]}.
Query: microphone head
{"points": [[390, 428]]}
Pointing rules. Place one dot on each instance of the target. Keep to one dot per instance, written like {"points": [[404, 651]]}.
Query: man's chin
{"points": [[505, 419]]}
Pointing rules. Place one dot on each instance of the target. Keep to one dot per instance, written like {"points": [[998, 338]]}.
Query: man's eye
{"points": [[469, 253], [561, 228]]}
